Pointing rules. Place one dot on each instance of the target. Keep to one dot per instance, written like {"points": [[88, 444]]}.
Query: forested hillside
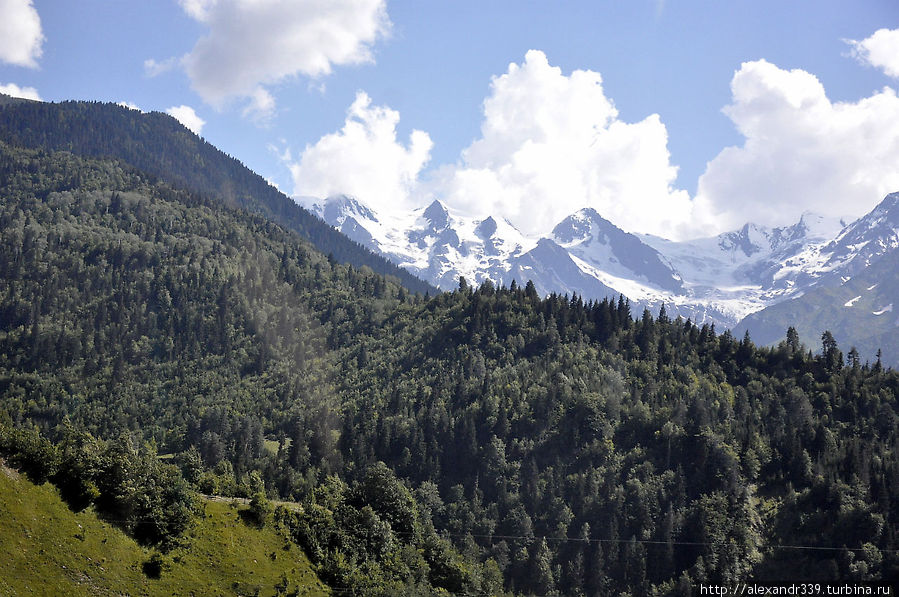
{"points": [[480, 441], [164, 322], [159, 145], [590, 453]]}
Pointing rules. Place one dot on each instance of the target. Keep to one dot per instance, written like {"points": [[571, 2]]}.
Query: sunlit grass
{"points": [[46, 549]]}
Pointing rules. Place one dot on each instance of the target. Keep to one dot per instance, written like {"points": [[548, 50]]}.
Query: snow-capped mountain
{"points": [[720, 279], [586, 254], [434, 244], [851, 285], [611, 251], [753, 255], [863, 242]]}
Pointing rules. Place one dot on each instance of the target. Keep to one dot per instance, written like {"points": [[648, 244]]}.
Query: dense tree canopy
{"points": [[159, 145], [476, 441]]}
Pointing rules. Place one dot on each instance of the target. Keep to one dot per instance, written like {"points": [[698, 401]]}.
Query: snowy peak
{"points": [[748, 240], [720, 279], [347, 214], [864, 241], [589, 236], [436, 215], [486, 229], [433, 242], [581, 226], [817, 226], [337, 208], [889, 204], [753, 242], [880, 223]]}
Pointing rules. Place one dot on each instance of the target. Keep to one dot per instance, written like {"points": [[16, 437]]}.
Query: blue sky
{"points": [[399, 102]]}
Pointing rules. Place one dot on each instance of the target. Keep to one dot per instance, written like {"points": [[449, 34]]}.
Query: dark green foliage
{"points": [[159, 145], [260, 509], [372, 538], [145, 307], [27, 450], [476, 438], [672, 451], [154, 565], [130, 487]]}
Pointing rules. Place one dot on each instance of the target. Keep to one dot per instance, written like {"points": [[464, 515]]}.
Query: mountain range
{"points": [[756, 279], [170, 325]]}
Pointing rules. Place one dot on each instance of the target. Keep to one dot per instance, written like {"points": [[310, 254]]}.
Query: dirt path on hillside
{"points": [[12, 473]]}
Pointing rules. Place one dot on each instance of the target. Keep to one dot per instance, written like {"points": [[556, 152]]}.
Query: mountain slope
{"points": [[603, 245], [858, 312], [755, 274], [47, 549], [159, 145], [161, 287], [863, 242], [149, 315], [851, 284], [434, 443]]}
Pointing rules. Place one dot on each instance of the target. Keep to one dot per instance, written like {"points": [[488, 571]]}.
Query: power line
{"points": [[653, 542], [574, 539]]}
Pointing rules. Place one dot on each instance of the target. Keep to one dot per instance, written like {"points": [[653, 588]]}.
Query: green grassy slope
{"points": [[46, 549]]}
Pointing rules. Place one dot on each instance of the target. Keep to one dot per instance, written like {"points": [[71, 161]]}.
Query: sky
{"points": [[680, 118]]}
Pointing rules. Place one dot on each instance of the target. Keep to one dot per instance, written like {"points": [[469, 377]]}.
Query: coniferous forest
{"points": [[159, 341]]}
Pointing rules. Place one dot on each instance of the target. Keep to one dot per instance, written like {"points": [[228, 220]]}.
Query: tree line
{"points": [[481, 440]]}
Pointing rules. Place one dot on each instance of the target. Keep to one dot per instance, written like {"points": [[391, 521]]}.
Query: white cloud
{"points": [[881, 50], [23, 92], [129, 105], [20, 33], [552, 144], [802, 152], [188, 117], [198, 9], [260, 42], [261, 106], [154, 68], [364, 159]]}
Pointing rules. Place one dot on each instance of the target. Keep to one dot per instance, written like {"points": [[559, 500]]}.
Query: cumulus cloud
{"points": [[802, 151], [364, 159], [552, 144], [881, 50], [130, 106], [188, 117], [21, 36], [23, 92], [261, 42]]}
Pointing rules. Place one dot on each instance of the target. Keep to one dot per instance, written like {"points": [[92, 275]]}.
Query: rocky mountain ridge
{"points": [[721, 279]]}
